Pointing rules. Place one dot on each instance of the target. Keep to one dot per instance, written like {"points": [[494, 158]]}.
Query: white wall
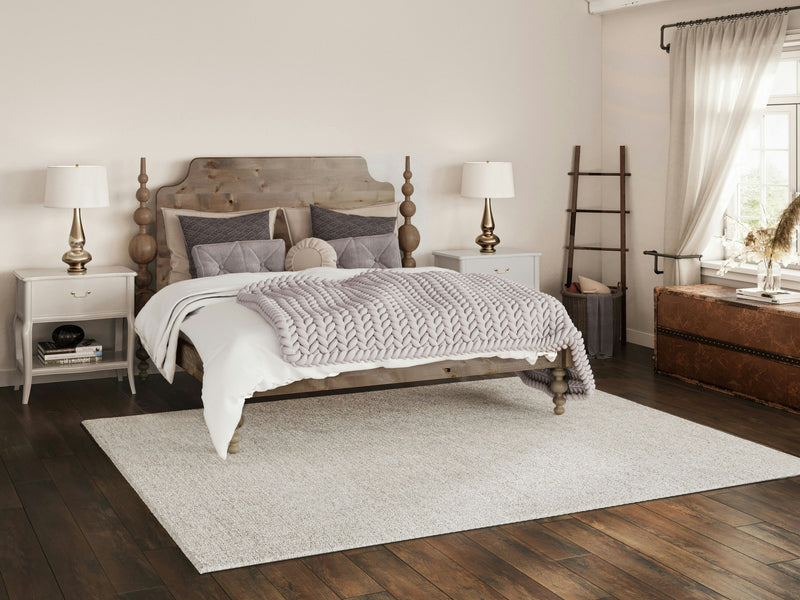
{"points": [[636, 114], [442, 80]]}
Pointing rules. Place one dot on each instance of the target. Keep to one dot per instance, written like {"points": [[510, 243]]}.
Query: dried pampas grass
{"points": [[784, 231], [767, 244]]}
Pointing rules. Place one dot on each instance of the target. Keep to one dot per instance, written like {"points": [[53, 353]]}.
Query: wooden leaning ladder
{"points": [[573, 210]]}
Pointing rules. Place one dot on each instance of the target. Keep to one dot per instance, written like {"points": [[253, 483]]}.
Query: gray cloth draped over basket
{"points": [[600, 326]]}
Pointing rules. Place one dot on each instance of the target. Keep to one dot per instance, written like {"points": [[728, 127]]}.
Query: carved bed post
{"points": [[142, 250], [408, 235]]}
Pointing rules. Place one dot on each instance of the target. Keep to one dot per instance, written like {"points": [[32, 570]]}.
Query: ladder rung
{"points": [[597, 210], [595, 174], [596, 248]]}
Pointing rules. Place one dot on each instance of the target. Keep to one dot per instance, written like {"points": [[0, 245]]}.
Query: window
{"points": [[764, 178], [764, 173]]}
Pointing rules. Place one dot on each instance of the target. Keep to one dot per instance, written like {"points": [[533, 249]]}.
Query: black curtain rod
{"points": [[757, 13]]}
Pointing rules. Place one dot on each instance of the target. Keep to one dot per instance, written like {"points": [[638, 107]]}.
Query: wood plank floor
{"points": [[71, 526]]}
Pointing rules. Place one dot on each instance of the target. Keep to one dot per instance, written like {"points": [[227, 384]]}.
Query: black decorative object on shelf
{"points": [[67, 335]]}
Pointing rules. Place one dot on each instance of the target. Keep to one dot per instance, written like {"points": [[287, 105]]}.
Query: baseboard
{"points": [[642, 338], [10, 377]]}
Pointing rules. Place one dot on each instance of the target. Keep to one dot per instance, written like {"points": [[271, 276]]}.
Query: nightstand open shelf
{"points": [[51, 296], [112, 360]]}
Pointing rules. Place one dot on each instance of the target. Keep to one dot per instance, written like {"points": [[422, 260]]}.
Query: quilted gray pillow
{"points": [[254, 256], [367, 252], [202, 230], [329, 224]]}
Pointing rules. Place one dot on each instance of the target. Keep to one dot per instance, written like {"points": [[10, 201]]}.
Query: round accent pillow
{"points": [[310, 252], [67, 335]]}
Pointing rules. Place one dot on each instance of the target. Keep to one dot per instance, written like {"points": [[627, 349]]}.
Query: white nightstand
{"points": [[518, 265], [54, 296]]}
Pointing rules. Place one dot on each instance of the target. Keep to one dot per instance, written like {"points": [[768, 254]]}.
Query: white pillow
{"points": [[298, 218], [176, 244], [310, 252], [590, 286]]}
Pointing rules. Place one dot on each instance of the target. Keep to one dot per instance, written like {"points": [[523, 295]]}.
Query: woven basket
{"points": [[576, 309]]}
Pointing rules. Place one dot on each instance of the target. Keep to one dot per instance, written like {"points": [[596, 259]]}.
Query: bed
{"points": [[289, 185]]}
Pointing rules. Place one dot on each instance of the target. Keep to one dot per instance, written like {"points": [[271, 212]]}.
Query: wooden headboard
{"points": [[234, 184]]}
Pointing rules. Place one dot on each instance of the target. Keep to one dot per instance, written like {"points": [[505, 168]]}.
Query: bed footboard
{"points": [[430, 373]]}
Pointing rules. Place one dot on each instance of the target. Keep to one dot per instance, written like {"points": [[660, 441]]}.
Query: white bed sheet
{"points": [[240, 350]]}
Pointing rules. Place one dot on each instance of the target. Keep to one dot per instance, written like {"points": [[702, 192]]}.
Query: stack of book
{"points": [[773, 297], [86, 351]]}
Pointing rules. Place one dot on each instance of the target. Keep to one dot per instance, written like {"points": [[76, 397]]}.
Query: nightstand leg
{"points": [[26, 390], [130, 353], [130, 381], [27, 357], [118, 342], [17, 344]]}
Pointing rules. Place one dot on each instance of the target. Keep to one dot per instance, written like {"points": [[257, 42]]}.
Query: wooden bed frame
{"points": [[235, 184]]}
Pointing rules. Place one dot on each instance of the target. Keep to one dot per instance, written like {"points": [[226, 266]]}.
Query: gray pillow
{"points": [[254, 256], [332, 225], [367, 252], [202, 230]]}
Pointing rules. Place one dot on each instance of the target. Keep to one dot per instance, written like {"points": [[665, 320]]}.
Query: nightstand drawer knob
{"points": [[500, 272], [75, 294]]}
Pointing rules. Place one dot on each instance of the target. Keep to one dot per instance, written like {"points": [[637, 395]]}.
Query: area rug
{"points": [[323, 474]]}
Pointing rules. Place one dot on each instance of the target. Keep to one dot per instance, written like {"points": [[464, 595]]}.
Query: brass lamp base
{"points": [[76, 257], [76, 261], [487, 240]]}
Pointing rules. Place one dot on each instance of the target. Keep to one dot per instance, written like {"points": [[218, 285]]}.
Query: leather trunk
{"points": [[705, 335]]}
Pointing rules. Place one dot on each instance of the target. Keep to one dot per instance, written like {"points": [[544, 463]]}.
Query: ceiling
{"points": [[601, 6]]}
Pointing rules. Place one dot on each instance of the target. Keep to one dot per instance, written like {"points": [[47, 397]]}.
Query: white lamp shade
{"points": [[487, 180], [76, 186]]}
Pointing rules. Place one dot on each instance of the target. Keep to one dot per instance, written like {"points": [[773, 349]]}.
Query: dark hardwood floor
{"points": [[71, 526]]}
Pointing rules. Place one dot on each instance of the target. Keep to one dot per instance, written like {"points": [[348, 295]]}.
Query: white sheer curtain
{"points": [[719, 73]]}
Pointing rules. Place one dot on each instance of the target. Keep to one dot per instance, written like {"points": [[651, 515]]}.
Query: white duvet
{"points": [[239, 349]]}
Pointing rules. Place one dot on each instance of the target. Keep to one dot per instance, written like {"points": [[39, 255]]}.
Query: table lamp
{"points": [[76, 187], [487, 180]]}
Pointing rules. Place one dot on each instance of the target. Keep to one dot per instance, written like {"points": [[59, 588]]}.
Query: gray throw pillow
{"points": [[202, 230], [367, 252], [254, 256], [332, 225]]}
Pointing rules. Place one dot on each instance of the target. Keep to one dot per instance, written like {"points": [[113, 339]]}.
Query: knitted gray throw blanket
{"points": [[380, 315]]}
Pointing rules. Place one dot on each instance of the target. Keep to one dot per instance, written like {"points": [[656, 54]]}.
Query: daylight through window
{"points": [[764, 178]]}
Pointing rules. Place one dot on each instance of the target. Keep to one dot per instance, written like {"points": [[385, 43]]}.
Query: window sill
{"points": [[744, 275]]}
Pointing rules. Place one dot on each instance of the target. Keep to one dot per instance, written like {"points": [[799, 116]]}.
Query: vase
{"points": [[769, 275], [68, 335]]}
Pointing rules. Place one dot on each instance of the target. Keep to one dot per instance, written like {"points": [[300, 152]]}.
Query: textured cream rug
{"points": [[323, 474]]}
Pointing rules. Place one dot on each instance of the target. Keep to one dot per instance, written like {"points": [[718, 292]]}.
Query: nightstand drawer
{"points": [[79, 296], [515, 268], [521, 266]]}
